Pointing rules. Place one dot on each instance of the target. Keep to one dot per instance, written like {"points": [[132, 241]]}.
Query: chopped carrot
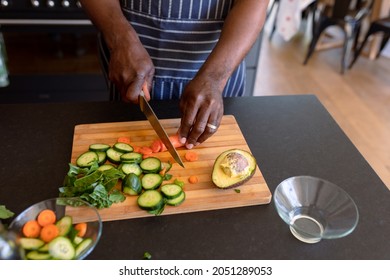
{"points": [[136, 148], [123, 139], [175, 141], [163, 171], [46, 217], [191, 156], [163, 147], [31, 229], [49, 232], [193, 179], [156, 146], [145, 150], [81, 228]]}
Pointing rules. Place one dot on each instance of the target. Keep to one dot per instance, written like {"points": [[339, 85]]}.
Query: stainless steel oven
{"points": [[51, 52]]}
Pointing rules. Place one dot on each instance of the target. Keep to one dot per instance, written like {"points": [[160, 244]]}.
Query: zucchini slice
{"points": [[150, 200], [151, 165], [178, 200], [132, 157], [31, 243], [35, 255], [105, 167], [102, 157], [114, 156], [85, 244], [99, 147], [171, 191], [131, 184], [123, 147], [86, 159], [64, 225], [151, 181], [128, 168], [61, 248]]}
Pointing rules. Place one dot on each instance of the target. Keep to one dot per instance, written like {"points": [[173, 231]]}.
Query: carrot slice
{"points": [[31, 229], [193, 179], [136, 148], [191, 156], [145, 150], [46, 217], [156, 146], [81, 228], [175, 141], [123, 139], [49, 232]]}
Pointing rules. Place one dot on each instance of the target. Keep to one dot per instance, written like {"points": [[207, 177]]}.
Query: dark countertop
{"points": [[288, 135]]}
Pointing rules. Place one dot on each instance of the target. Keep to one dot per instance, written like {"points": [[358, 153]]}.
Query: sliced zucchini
{"points": [[31, 243], [86, 159], [114, 156], [171, 191], [44, 248], [77, 240], [102, 157], [85, 244], [123, 147], [166, 165], [128, 168], [151, 181], [132, 157], [150, 200], [64, 225], [151, 165], [131, 184], [178, 200], [105, 167], [99, 147], [35, 255], [61, 248]]}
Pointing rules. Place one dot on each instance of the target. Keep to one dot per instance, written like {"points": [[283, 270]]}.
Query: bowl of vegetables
{"points": [[57, 229]]}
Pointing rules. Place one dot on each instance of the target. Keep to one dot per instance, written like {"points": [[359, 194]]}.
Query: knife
{"points": [[152, 118]]}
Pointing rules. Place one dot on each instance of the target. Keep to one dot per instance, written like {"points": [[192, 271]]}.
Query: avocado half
{"points": [[233, 168]]}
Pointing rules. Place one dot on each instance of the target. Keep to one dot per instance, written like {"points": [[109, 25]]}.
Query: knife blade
{"points": [[158, 128]]}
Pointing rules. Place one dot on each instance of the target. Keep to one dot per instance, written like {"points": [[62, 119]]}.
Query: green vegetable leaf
{"points": [[167, 177], [147, 256], [5, 213], [237, 190], [116, 196], [179, 183]]}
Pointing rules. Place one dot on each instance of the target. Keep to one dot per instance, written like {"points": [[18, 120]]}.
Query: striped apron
{"points": [[178, 35]]}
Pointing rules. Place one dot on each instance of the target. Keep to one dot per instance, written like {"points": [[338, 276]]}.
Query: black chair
{"points": [[379, 25], [340, 14]]}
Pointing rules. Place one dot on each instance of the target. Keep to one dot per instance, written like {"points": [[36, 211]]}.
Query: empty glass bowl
{"points": [[315, 209], [79, 211]]}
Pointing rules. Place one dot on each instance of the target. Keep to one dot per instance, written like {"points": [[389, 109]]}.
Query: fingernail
{"points": [[197, 143], [189, 146], [183, 140]]}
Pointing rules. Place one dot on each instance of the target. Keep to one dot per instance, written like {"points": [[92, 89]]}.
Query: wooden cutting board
{"points": [[199, 197]]}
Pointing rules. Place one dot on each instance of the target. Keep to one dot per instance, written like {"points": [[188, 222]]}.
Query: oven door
{"points": [[51, 54]]}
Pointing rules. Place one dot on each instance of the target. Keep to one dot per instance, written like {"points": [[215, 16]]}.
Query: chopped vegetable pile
{"points": [[46, 238], [138, 171]]}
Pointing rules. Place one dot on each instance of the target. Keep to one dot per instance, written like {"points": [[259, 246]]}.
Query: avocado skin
{"points": [[223, 181]]}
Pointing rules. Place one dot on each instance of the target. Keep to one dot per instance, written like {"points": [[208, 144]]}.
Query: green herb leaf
{"points": [[5, 213], [237, 190], [179, 183], [147, 256]]}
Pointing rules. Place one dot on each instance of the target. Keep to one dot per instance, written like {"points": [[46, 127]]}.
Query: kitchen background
{"points": [[52, 57]]}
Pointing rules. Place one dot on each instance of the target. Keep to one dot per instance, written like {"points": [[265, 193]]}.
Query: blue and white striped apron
{"points": [[179, 35]]}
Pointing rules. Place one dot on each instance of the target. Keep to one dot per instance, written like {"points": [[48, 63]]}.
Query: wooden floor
{"points": [[359, 100]]}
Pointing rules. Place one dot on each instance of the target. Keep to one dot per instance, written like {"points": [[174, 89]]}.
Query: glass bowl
{"points": [[315, 209], [79, 211]]}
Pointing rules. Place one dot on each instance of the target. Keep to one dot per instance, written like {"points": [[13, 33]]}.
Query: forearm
{"points": [[241, 29], [108, 18]]}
